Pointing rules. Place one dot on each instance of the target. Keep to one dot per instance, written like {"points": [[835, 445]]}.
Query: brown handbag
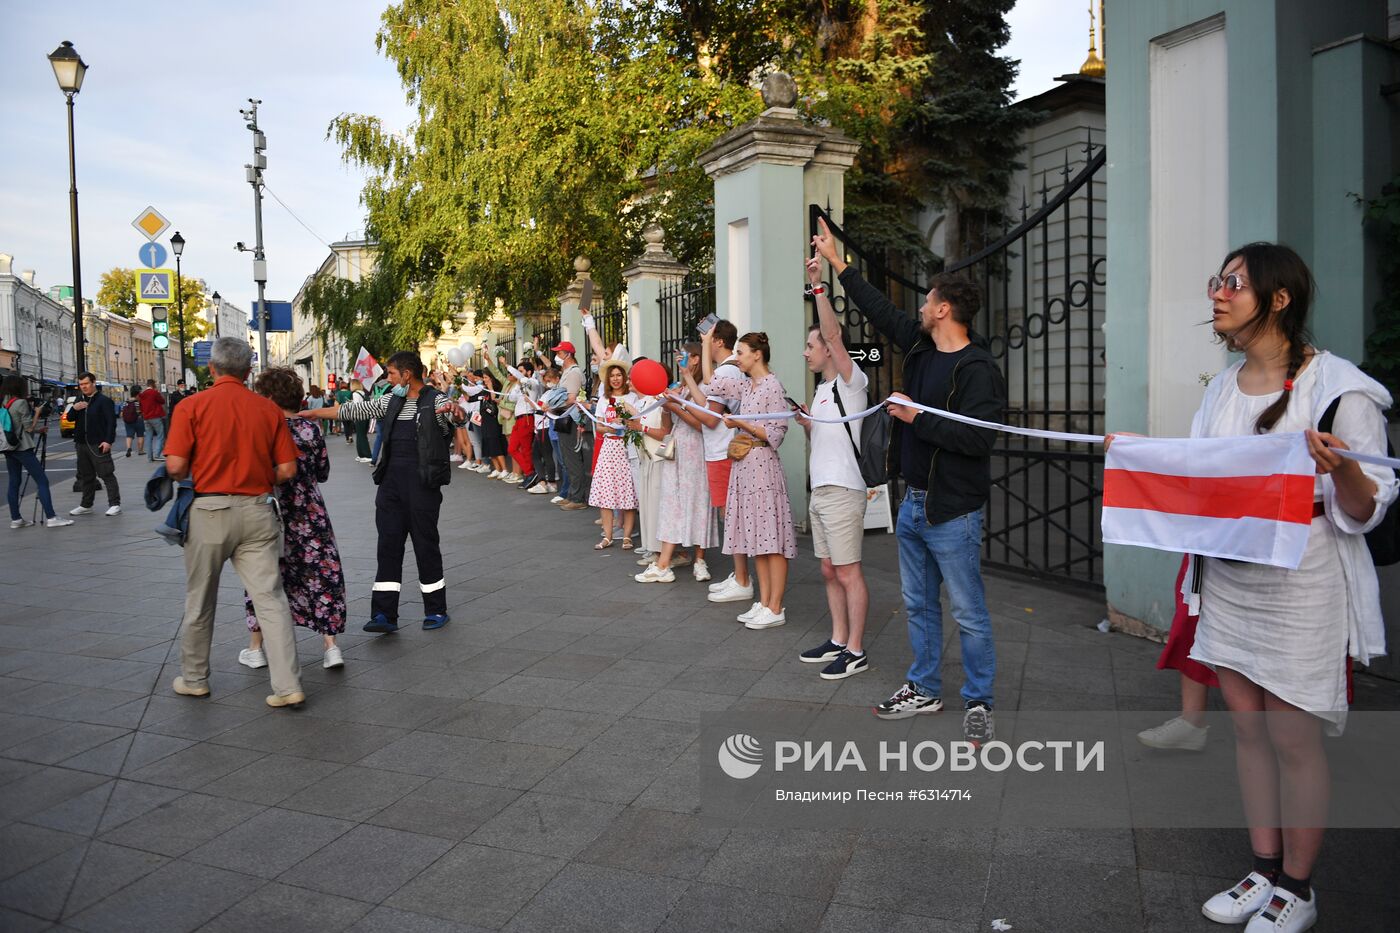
{"points": [[743, 442]]}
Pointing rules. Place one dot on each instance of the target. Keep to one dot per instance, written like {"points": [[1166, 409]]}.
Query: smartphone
{"points": [[707, 323], [683, 358], [795, 405]]}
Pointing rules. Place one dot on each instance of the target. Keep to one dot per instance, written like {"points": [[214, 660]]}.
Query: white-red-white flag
{"points": [[367, 369], [1242, 498]]}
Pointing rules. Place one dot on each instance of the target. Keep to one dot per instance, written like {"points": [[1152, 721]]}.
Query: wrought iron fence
{"points": [[1042, 285], [549, 335], [684, 303], [612, 323]]}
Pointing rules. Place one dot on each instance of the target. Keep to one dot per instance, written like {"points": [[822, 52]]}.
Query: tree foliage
{"points": [[547, 129], [116, 293]]}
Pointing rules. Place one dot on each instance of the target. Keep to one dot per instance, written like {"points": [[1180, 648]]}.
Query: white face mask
{"points": [[558, 360]]}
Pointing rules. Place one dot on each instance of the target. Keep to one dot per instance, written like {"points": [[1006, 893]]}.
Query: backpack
{"points": [[129, 412], [874, 442], [1384, 539], [9, 431]]}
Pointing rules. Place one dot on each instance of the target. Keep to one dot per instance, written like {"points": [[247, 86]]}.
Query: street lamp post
{"points": [[69, 68], [39, 336], [117, 362], [177, 246], [218, 313]]}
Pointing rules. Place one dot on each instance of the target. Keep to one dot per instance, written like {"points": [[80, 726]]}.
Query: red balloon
{"points": [[649, 377]]}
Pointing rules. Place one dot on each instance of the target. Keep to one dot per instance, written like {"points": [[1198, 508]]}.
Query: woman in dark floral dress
{"points": [[311, 571]]}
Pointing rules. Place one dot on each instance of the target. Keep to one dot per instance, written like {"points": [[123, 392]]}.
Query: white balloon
{"points": [[455, 357], [468, 348]]}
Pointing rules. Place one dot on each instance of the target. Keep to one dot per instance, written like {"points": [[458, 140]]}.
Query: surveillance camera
{"points": [[240, 247]]}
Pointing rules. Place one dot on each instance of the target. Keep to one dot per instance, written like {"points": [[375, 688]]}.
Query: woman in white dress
{"points": [[1279, 639]]}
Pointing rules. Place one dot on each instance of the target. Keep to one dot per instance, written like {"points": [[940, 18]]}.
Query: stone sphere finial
{"points": [[582, 264], [654, 236], [779, 90]]}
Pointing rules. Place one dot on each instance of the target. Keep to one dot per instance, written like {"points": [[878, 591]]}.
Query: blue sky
{"points": [[158, 124]]}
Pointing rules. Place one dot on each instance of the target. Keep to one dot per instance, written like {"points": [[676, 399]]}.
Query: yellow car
{"points": [[65, 422]]}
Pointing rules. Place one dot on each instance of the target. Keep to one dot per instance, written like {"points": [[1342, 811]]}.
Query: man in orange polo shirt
{"points": [[237, 447]]}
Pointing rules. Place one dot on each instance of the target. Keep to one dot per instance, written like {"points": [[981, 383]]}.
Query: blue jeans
{"points": [[929, 557], [559, 467], [155, 438], [16, 462], [378, 440]]}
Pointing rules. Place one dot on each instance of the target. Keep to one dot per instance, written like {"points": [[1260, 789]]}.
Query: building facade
{"points": [[36, 327]]}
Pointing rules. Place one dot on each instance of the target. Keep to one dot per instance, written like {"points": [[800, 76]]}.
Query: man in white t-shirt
{"points": [[836, 507], [720, 393]]}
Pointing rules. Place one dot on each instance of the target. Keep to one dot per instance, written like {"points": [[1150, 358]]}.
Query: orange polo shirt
{"points": [[234, 437]]}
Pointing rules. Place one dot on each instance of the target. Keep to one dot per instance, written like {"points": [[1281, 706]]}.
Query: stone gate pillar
{"points": [[644, 278], [766, 172], [570, 317]]}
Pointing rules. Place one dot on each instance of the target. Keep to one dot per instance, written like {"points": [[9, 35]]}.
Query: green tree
{"points": [[117, 293]]}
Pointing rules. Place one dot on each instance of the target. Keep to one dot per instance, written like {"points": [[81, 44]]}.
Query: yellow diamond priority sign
{"points": [[151, 223]]}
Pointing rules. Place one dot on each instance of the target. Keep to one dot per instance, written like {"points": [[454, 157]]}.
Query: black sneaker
{"points": [[845, 665], [908, 702], [978, 726], [826, 651]]}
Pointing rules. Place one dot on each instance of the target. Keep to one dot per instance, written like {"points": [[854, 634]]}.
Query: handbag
{"points": [[742, 443], [653, 449]]}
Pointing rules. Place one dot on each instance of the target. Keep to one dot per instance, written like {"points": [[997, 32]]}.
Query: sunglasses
{"points": [[1226, 285]]}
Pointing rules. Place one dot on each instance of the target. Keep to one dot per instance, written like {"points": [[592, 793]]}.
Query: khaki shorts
{"points": [[838, 523]]}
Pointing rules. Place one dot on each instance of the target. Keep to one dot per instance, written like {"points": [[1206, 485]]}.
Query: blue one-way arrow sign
{"points": [[151, 255]]}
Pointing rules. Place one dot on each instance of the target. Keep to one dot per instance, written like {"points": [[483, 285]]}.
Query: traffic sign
{"points": [[151, 223], [151, 254], [155, 286]]}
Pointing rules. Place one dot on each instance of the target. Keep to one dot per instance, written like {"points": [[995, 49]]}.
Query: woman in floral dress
{"points": [[311, 571], [612, 477], [758, 519]]}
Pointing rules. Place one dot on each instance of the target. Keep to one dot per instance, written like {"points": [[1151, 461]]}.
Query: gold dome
{"points": [[1094, 66]]}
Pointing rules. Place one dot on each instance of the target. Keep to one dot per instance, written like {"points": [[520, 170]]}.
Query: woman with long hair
{"points": [[311, 572], [684, 516], [360, 428], [21, 459], [493, 439], [613, 487], [1279, 639], [758, 517]]}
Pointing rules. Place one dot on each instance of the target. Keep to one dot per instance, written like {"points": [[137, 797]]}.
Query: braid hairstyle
{"points": [[1271, 268]]}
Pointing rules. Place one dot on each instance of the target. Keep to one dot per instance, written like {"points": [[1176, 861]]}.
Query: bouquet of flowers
{"points": [[625, 414]]}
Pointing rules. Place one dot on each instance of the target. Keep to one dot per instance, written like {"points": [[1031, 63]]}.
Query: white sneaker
{"points": [[701, 571], [363, 460], [1285, 912], [456, 458], [751, 613], [551, 487], [484, 468], [20, 523], [55, 522], [731, 592], [464, 465], [114, 510], [515, 479], [80, 510], [539, 489], [645, 558], [556, 500], [722, 584], [654, 574], [494, 474], [252, 657], [1177, 734], [766, 618], [1239, 903], [332, 658]]}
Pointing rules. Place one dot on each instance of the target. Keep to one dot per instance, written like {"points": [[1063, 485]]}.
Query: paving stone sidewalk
{"points": [[532, 766]]}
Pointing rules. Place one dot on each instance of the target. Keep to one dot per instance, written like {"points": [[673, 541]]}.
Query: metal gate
{"points": [[1043, 285], [684, 303]]}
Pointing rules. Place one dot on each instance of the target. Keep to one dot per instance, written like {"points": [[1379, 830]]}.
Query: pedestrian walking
{"points": [[312, 576], [236, 447], [94, 433], [836, 507], [153, 418], [946, 467], [1279, 639], [20, 457], [417, 421], [133, 426], [361, 427]]}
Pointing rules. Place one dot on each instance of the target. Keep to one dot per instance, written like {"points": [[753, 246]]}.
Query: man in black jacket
{"points": [[94, 433], [946, 466]]}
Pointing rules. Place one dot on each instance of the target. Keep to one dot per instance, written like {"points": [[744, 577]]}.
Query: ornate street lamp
{"points": [[217, 308], [177, 246], [39, 335], [69, 68]]}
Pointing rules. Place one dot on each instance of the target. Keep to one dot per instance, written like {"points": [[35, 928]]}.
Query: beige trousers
{"points": [[247, 531]]}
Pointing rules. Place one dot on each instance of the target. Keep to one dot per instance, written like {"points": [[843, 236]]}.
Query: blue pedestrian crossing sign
{"points": [[151, 255], [155, 286]]}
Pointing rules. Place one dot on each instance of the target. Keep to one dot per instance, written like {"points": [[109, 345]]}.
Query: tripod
{"points": [[41, 450]]}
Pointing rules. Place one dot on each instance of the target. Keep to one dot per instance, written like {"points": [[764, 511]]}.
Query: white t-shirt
{"points": [[727, 386], [833, 458]]}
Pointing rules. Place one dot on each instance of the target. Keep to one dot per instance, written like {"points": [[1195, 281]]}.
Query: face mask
{"points": [[593, 369], [401, 391], [558, 360]]}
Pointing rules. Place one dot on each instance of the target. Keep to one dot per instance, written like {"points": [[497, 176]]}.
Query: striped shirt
{"points": [[376, 408]]}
